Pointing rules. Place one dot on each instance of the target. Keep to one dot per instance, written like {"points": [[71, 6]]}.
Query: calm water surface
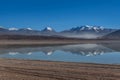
{"points": [[108, 53]]}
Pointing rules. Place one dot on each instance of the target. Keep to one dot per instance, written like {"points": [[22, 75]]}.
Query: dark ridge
{"points": [[33, 37], [113, 35]]}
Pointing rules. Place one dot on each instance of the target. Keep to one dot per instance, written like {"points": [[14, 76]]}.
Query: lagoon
{"points": [[107, 53]]}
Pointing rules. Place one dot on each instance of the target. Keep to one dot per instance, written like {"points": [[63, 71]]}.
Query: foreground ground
{"points": [[11, 69]]}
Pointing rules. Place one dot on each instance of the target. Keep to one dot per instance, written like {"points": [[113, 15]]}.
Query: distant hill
{"points": [[113, 35]]}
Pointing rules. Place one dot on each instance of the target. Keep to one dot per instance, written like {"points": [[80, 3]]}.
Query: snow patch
{"points": [[49, 28], [12, 29], [29, 28]]}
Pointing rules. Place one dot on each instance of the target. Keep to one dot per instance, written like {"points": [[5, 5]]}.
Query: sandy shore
{"points": [[11, 69]]}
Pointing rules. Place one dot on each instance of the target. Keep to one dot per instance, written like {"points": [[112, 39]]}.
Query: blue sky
{"points": [[59, 14]]}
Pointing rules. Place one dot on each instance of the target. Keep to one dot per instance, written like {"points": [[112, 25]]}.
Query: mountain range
{"points": [[81, 32]]}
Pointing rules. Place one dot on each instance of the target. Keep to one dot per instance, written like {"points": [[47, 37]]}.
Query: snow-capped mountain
{"points": [[25, 29], [86, 31], [12, 29], [16, 31], [48, 29], [87, 28]]}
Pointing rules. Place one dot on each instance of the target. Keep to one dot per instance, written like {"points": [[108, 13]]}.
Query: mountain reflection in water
{"points": [[108, 53], [79, 49]]}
